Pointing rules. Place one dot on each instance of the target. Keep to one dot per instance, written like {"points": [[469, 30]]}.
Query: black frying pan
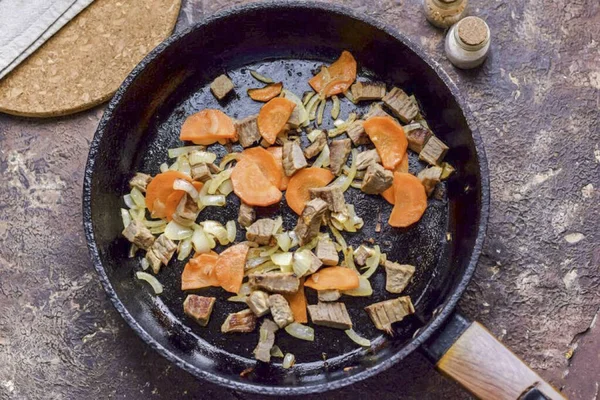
{"points": [[289, 42]]}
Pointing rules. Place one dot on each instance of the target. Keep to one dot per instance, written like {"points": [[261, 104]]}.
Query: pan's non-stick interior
{"points": [[288, 44]]}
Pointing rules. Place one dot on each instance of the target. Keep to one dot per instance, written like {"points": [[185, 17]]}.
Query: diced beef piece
{"points": [[294, 119], [201, 172], [309, 222], [317, 146], [417, 135], [293, 158], [333, 315], [246, 215], [339, 151], [385, 313], [434, 151], [326, 252], [376, 111], [247, 131], [186, 211], [275, 282], [332, 195], [401, 104], [280, 310], [262, 352], [360, 255], [430, 177], [356, 133], [258, 301], [199, 308], [368, 90], [140, 181], [377, 179], [221, 86], [160, 252], [243, 321], [329, 295], [261, 232], [398, 276], [309, 257], [137, 233], [366, 158]]}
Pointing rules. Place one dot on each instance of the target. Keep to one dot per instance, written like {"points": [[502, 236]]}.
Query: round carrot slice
{"points": [[161, 187], [337, 78], [273, 116], [266, 93], [230, 267], [277, 153], [301, 182], [207, 127], [200, 272], [266, 162], [388, 194], [389, 139], [410, 200], [252, 186]]}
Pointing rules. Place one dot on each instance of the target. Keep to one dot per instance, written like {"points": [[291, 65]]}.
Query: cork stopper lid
{"points": [[473, 31]]}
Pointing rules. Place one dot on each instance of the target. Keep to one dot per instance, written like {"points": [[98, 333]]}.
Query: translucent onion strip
{"points": [[144, 276], [356, 338], [323, 159], [185, 248], [201, 157], [178, 151], [335, 110], [288, 361], [125, 217], [372, 262], [138, 198], [181, 184], [321, 111], [174, 231], [231, 230], [229, 158], [300, 331], [261, 78]]}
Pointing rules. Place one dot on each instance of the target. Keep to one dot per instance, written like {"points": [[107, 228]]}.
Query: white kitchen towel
{"points": [[26, 24]]}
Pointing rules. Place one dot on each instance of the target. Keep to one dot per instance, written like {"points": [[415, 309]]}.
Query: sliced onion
{"points": [[138, 198], [132, 250], [184, 166], [288, 361], [231, 231], [283, 241], [182, 184], [364, 288], [323, 159], [356, 338], [200, 241], [255, 262], [216, 230], [302, 262], [277, 225], [372, 262], [129, 201], [311, 107], [349, 258], [158, 229], [310, 245], [337, 123], [178, 151], [145, 264], [321, 111], [185, 248], [356, 184], [245, 289], [335, 110], [267, 251], [144, 276], [344, 181], [342, 127], [307, 96], [229, 158], [338, 237], [174, 231], [282, 258], [348, 95], [312, 136], [175, 166], [286, 268], [137, 214], [300, 331], [337, 224], [276, 352], [261, 78], [215, 200], [203, 192], [302, 113], [294, 239], [239, 298], [266, 267], [154, 223], [125, 217], [201, 157], [226, 187], [218, 179], [164, 167]]}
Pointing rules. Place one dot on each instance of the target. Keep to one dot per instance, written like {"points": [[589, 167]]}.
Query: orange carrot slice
{"points": [[252, 186], [403, 165], [337, 78], [340, 278], [200, 272], [266, 93], [159, 190], [410, 200], [277, 153], [207, 127], [230, 267], [273, 116], [267, 164], [301, 182], [388, 137], [297, 303], [388, 194]]}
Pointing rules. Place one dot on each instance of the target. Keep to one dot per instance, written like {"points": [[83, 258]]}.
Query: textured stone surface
{"points": [[537, 100]]}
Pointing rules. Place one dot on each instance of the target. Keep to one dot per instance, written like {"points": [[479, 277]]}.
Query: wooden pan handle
{"points": [[473, 357]]}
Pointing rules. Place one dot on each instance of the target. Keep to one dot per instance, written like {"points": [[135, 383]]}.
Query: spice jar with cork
{"points": [[444, 13], [468, 43]]}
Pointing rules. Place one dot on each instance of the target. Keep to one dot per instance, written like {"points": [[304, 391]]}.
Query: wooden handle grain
{"points": [[480, 363]]}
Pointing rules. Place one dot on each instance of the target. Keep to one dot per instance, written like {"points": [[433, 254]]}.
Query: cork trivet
{"points": [[84, 63], [472, 31]]}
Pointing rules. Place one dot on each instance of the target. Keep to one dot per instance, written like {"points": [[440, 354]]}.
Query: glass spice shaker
{"points": [[468, 43], [444, 13]]}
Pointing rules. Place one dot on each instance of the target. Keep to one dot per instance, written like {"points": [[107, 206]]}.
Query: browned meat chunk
{"points": [[376, 111], [339, 151], [385, 313], [356, 133], [308, 257], [140, 181], [262, 352], [160, 252], [398, 276], [280, 310], [243, 321], [360, 255], [258, 301], [368, 90], [434, 151], [261, 232], [247, 131], [366, 158], [377, 179], [326, 252], [417, 135], [329, 295], [332, 195], [137, 233], [333, 315], [317, 146], [309, 222], [199, 308], [186, 211], [246, 215], [221, 86], [275, 282], [430, 177], [293, 158], [201, 172], [401, 104]]}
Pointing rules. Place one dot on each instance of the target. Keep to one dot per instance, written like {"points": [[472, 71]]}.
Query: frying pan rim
{"points": [[449, 303]]}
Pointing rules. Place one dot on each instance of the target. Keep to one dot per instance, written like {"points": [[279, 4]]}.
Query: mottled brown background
{"points": [[537, 101]]}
